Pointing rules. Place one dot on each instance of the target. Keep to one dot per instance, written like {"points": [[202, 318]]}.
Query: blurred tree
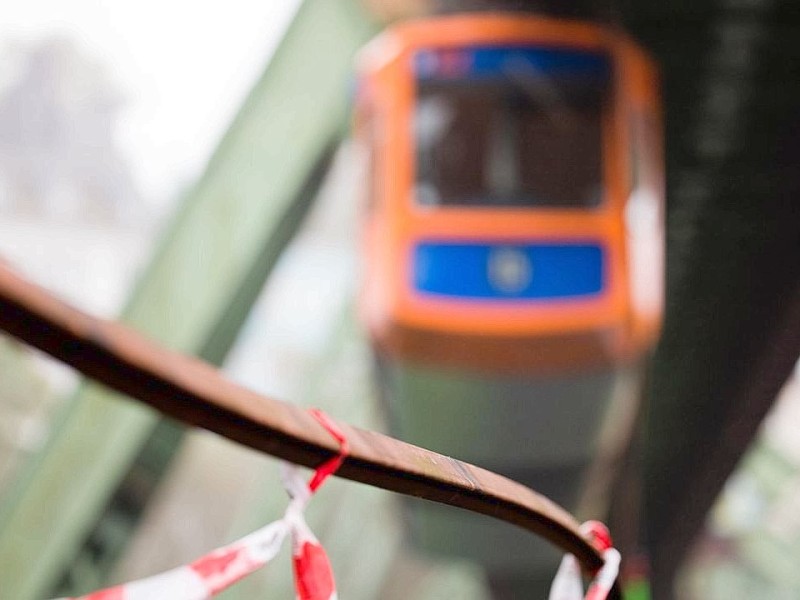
{"points": [[58, 157]]}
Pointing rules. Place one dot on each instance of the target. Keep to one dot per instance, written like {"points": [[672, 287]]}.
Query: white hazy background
{"points": [[184, 69]]}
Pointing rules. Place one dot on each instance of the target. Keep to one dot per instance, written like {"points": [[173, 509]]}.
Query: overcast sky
{"points": [[184, 67]]}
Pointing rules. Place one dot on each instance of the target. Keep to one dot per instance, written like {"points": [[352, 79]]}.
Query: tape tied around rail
{"points": [[313, 574], [329, 467], [216, 571], [568, 582]]}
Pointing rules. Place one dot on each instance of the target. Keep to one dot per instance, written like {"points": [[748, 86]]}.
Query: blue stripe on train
{"points": [[492, 61], [538, 271]]}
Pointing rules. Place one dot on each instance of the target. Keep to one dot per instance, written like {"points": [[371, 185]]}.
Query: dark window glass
{"points": [[510, 127]]}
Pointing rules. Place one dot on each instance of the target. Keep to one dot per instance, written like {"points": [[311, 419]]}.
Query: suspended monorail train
{"points": [[513, 244]]}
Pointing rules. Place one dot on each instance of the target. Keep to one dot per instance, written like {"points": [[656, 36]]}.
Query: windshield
{"points": [[509, 127]]}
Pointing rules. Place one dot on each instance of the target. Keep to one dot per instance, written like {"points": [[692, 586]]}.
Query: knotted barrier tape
{"points": [[210, 574], [568, 582], [313, 576]]}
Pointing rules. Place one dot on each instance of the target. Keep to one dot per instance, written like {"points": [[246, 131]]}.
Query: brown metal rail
{"points": [[194, 392]]}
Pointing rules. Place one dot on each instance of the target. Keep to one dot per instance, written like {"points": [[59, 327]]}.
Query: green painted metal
{"points": [[24, 393], [106, 538], [196, 292], [637, 590]]}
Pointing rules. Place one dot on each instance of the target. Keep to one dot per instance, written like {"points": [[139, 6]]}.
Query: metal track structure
{"points": [[211, 264], [732, 325]]}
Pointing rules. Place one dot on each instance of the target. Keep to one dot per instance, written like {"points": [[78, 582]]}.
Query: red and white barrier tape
{"points": [[216, 571], [568, 583]]}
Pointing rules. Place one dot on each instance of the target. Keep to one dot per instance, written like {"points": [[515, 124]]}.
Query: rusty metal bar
{"points": [[194, 392]]}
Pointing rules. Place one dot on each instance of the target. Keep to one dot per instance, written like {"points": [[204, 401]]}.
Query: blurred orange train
{"points": [[515, 211], [514, 258]]}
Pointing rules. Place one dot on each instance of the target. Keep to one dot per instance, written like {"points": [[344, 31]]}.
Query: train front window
{"points": [[510, 127]]}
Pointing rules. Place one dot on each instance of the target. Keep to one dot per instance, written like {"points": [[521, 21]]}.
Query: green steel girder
{"points": [[198, 288]]}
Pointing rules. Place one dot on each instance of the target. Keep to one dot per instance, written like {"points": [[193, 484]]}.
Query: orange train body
{"points": [[463, 269]]}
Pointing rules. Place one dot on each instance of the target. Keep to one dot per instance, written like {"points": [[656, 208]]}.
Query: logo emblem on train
{"points": [[509, 270]]}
